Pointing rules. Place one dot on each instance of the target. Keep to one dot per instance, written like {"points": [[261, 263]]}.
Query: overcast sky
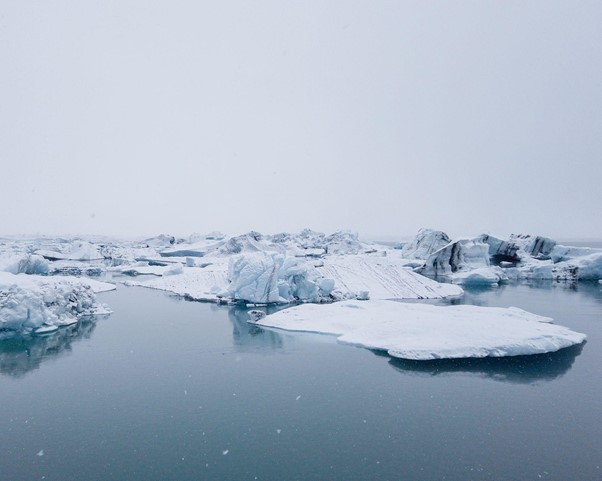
{"points": [[124, 117]]}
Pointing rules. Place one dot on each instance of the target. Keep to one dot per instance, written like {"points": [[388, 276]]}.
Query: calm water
{"points": [[172, 390]]}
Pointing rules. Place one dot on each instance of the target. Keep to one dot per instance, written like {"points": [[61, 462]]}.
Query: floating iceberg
{"points": [[27, 264], [254, 278], [77, 250], [270, 278], [458, 256], [520, 257], [424, 332], [265, 278], [518, 246], [41, 304], [426, 242], [284, 268]]}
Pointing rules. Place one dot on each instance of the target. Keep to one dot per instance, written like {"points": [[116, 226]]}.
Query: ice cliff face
{"points": [[518, 247], [461, 255], [26, 264], [267, 278]]}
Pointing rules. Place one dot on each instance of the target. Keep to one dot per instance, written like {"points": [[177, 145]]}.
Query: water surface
{"points": [[171, 390]]}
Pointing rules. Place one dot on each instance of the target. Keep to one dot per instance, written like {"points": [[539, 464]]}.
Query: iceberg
{"points": [[458, 256], [77, 250], [343, 243], [254, 278], [426, 242], [424, 332], [562, 253], [27, 264], [521, 256], [269, 278], [41, 304], [284, 268]]}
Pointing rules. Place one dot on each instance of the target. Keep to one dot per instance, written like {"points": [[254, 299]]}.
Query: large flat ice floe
{"points": [[424, 332]]}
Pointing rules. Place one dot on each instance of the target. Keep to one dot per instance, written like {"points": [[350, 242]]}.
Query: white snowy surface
{"points": [[196, 283], [565, 253], [383, 278], [77, 250], [424, 332], [40, 304]]}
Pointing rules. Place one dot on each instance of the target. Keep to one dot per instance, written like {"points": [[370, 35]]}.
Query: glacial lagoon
{"points": [[166, 389]]}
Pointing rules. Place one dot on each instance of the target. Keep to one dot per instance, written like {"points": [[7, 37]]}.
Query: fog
{"points": [[124, 117]]}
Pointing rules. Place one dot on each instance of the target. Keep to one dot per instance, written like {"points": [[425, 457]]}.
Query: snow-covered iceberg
{"points": [[487, 259], [42, 304], [424, 332], [25, 264], [284, 268], [266, 278], [426, 242], [77, 250]]}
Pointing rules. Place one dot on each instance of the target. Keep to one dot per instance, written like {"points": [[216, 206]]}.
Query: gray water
{"points": [[171, 390]]}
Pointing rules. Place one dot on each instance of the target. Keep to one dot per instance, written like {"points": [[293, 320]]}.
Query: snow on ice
{"points": [[423, 332], [42, 304], [487, 259]]}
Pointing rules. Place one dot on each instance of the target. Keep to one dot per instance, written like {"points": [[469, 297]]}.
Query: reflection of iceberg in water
{"points": [[250, 336], [514, 369], [19, 355]]}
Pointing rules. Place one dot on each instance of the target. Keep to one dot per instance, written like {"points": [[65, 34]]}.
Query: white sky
{"points": [[124, 117]]}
